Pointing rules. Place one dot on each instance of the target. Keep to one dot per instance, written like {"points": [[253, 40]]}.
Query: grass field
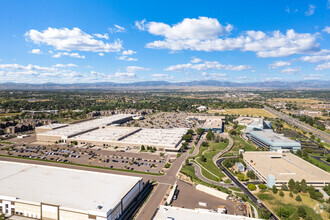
{"points": [[190, 172], [255, 112], [192, 150], [275, 202], [209, 165], [240, 143], [8, 114], [319, 164], [300, 101]]}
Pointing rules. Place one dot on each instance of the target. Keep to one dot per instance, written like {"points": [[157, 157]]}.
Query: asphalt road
{"points": [[318, 133], [241, 186]]}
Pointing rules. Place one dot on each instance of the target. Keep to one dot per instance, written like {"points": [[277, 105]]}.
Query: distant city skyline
{"points": [[124, 41]]}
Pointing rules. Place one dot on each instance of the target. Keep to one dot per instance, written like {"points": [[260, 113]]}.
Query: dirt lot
{"points": [[189, 197]]}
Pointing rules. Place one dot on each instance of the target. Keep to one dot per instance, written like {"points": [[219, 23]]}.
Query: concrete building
{"points": [[214, 123], [273, 141], [176, 213], [283, 166], [75, 129], [52, 193], [107, 132]]}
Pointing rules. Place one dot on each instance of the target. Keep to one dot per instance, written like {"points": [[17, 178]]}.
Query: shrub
{"points": [[252, 187], [301, 212], [291, 195], [168, 165], [227, 181], [281, 193], [298, 198], [274, 189], [284, 187], [295, 191], [262, 186], [242, 177], [251, 174]]}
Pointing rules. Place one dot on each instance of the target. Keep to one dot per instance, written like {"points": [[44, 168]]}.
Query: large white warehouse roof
{"points": [[69, 188]]}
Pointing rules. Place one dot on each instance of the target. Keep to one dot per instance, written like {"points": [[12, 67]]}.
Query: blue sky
{"points": [[126, 41]]}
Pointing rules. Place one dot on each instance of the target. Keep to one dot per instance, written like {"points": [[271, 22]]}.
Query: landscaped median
{"points": [[84, 165]]}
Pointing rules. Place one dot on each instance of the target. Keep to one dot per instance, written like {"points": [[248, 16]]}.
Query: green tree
{"points": [[262, 186], [252, 187], [203, 158], [199, 131], [143, 148], [284, 187], [274, 189], [251, 174], [304, 186], [187, 162], [209, 135], [301, 212], [298, 198], [291, 184], [281, 193], [291, 195]]}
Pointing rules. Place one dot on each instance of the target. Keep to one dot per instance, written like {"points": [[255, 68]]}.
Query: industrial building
{"points": [[75, 129], [280, 166], [107, 132], [52, 193], [273, 141], [176, 213], [214, 123], [260, 132]]}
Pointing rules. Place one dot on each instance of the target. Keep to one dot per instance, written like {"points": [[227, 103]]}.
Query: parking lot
{"points": [[112, 159], [189, 197]]}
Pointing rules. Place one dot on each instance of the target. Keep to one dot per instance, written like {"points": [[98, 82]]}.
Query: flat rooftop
{"points": [[156, 137], [53, 126], [107, 134], [285, 166], [176, 213], [274, 139], [69, 188], [73, 129]]}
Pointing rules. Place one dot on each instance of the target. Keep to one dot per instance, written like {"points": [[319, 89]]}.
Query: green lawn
{"points": [[190, 172], [290, 205], [319, 164], [209, 165], [192, 150], [240, 143], [235, 189]]}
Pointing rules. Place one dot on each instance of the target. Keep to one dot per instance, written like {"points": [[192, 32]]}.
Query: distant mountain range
{"points": [[310, 84]]}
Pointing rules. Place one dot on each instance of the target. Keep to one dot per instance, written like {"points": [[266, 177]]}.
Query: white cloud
{"points": [[117, 29], [203, 28], [327, 29], [104, 36], [290, 70], [126, 58], [313, 76], [214, 75], [323, 66], [315, 58], [207, 34], [97, 74], [16, 71], [101, 54], [75, 39], [132, 69], [141, 25], [119, 74], [160, 76], [74, 55], [65, 65], [207, 65], [196, 60], [274, 79], [242, 77], [311, 10], [128, 52], [36, 51], [278, 64]]}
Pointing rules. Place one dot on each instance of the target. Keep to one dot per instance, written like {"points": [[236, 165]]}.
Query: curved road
{"points": [[241, 186], [318, 133]]}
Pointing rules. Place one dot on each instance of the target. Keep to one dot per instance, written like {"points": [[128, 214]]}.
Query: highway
{"points": [[241, 186], [318, 133]]}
